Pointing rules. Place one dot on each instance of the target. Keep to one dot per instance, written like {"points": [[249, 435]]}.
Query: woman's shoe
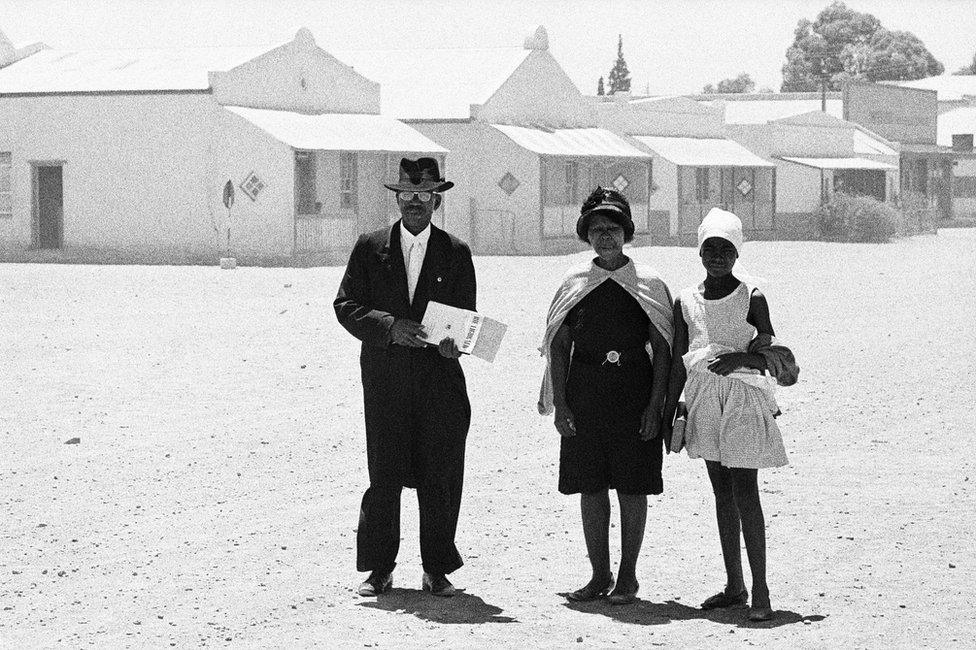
{"points": [[760, 614], [722, 600], [590, 592]]}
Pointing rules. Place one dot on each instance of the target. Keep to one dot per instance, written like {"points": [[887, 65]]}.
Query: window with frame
{"points": [[348, 182], [6, 194]]}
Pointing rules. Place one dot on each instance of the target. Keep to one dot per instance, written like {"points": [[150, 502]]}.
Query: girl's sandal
{"points": [[589, 592], [722, 600]]}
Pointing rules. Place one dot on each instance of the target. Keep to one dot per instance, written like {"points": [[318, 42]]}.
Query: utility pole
{"points": [[823, 84]]}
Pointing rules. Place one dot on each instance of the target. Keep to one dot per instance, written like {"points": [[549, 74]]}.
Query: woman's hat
{"points": [[722, 224], [609, 202], [421, 175]]}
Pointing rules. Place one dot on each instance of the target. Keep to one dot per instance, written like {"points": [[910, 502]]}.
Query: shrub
{"points": [[857, 219]]}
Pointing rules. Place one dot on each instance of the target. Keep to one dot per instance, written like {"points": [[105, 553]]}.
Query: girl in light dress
{"points": [[732, 363]]}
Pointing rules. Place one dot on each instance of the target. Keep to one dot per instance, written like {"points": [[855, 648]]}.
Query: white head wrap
{"points": [[723, 224]]}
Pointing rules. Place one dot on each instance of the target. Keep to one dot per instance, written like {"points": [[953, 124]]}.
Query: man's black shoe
{"points": [[438, 585], [378, 582]]}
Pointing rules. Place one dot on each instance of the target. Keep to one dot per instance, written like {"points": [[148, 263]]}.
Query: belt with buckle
{"points": [[609, 358]]}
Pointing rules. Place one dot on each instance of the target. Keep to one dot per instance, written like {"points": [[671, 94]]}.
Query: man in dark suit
{"points": [[415, 399]]}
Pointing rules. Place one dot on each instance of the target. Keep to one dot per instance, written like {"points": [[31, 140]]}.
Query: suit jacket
{"points": [[373, 291]]}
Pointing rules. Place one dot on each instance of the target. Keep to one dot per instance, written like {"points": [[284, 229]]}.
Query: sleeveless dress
{"points": [[730, 419], [607, 398]]}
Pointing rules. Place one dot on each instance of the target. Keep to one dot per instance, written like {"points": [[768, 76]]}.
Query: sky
{"points": [[671, 46]]}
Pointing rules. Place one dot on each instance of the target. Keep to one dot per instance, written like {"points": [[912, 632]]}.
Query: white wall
{"points": [[538, 92], [143, 174], [131, 167], [797, 188], [297, 76], [264, 226], [479, 157]]}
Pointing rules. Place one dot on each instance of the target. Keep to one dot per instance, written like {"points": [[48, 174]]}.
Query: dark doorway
{"points": [[49, 206]]}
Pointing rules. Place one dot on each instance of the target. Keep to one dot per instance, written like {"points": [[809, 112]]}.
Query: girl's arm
{"points": [[559, 351], [676, 380], [758, 317], [661, 369]]}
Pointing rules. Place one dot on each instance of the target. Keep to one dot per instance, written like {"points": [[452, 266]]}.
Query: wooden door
{"points": [[50, 206]]}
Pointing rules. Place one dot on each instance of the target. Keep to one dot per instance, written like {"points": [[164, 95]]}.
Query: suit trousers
{"points": [[417, 418]]}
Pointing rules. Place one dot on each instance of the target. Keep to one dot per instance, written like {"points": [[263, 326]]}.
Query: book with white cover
{"points": [[472, 332]]}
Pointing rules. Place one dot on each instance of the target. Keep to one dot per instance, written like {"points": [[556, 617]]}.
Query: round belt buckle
{"points": [[612, 357]]}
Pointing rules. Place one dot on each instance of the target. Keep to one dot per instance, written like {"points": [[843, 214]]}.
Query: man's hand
{"points": [[650, 423], [565, 423], [407, 333], [448, 349], [725, 364]]}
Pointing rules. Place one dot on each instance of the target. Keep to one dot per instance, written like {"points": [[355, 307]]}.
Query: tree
{"points": [[969, 69], [741, 84], [619, 75], [599, 88], [845, 44]]}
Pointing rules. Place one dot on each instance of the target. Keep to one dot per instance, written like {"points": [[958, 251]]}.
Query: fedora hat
{"points": [[421, 175]]}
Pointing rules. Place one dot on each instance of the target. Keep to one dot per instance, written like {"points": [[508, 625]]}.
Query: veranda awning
{"points": [[840, 163], [571, 142], [338, 131], [702, 152]]}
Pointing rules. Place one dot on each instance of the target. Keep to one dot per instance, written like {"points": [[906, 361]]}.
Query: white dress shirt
{"points": [[414, 249]]}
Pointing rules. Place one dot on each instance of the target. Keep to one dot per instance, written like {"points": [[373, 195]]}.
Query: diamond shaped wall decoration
{"points": [[744, 187], [508, 183], [621, 182], [252, 186]]}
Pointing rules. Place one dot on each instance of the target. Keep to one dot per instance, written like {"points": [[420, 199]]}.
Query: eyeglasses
{"points": [[408, 196]]}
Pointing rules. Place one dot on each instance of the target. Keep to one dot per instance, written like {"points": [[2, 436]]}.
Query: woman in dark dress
{"points": [[608, 340]]}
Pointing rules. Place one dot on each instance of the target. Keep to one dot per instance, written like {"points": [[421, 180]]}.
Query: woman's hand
{"points": [[650, 423], [725, 364], [565, 423], [448, 349]]}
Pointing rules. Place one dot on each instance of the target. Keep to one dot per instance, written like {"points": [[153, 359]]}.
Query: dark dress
{"points": [[607, 399]]}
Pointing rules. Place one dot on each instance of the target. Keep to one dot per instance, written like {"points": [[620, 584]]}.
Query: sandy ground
{"points": [[213, 497]]}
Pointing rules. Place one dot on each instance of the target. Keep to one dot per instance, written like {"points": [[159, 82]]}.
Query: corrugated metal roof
{"points": [[960, 120], [436, 83], [338, 131], [949, 87], [759, 111], [864, 143], [62, 71], [572, 142], [702, 152], [414, 84], [840, 163]]}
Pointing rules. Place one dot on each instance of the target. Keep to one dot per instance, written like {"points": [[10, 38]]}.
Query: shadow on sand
{"points": [[462, 608], [645, 612]]}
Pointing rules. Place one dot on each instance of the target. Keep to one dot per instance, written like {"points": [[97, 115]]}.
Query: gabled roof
{"points": [[865, 143], [950, 87], [960, 120], [139, 69], [438, 83], [814, 118], [760, 111]]}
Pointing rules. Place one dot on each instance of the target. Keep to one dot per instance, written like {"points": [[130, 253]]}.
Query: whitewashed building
{"points": [[696, 166], [525, 145], [129, 154]]}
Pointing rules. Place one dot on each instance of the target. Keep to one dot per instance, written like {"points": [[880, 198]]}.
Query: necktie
{"points": [[416, 255]]}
